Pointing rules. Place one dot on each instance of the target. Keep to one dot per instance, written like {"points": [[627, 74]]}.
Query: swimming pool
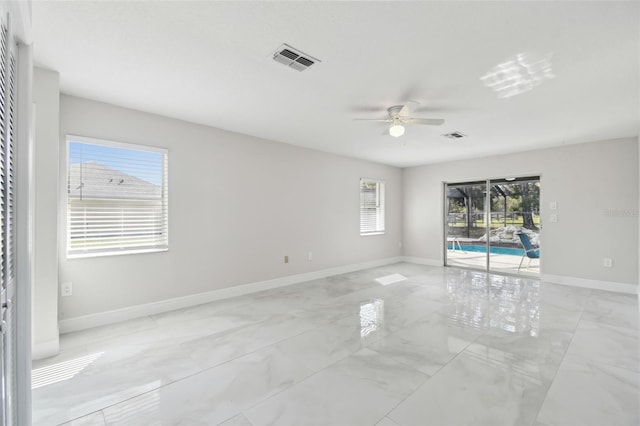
{"points": [[513, 251]]}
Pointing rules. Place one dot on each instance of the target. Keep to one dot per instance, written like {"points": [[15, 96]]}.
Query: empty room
{"points": [[319, 213]]}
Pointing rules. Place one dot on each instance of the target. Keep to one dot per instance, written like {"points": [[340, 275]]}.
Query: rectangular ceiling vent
{"points": [[454, 135], [293, 58]]}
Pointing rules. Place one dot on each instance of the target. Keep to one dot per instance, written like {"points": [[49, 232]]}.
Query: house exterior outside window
{"points": [[117, 201]]}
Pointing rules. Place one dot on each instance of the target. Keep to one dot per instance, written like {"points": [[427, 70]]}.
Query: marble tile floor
{"points": [[444, 346]]}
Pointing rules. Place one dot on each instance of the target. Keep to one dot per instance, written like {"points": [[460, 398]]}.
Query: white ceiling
{"points": [[210, 63]]}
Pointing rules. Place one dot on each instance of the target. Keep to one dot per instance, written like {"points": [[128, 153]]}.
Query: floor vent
{"points": [[293, 58], [454, 135]]}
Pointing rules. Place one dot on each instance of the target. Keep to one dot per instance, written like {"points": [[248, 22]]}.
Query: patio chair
{"points": [[529, 250]]}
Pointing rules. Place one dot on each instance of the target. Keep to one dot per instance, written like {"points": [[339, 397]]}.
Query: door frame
{"points": [[20, 33]]}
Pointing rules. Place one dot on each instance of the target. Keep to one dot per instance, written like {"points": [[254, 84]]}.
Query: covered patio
{"points": [[502, 263]]}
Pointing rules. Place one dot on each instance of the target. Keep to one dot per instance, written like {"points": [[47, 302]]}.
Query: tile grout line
{"points": [[601, 362], [429, 376], [555, 374]]}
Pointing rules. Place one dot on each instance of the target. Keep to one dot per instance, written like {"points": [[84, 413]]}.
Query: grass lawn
{"points": [[495, 223]]}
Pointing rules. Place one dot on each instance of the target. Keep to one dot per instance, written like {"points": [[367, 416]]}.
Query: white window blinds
{"points": [[371, 207], [117, 198]]}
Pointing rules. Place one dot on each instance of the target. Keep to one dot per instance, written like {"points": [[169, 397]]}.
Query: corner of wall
{"points": [[41, 350], [46, 100]]}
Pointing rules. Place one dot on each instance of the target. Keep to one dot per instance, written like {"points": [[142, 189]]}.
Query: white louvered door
{"points": [[8, 86]]}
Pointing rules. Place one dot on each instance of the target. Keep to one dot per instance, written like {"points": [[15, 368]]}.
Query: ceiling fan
{"points": [[400, 115]]}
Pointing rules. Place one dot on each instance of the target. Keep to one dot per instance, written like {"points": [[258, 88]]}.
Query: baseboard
{"points": [[110, 317], [422, 261], [46, 349], [556, 279], [591, 284]]}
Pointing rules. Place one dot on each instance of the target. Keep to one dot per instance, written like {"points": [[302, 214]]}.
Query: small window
{"points": [[371, 207], [117, 198]]}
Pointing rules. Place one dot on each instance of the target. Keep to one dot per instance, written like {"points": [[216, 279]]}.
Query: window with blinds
{"points": [[371, 207], [117, 199]]}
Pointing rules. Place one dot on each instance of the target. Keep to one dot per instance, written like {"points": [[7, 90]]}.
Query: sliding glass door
{"points": [[466, 224], [494, 225]]}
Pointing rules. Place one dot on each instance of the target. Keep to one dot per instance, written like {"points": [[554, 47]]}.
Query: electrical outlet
{"points": [[607, 262], [286, 259], [310, 256], [553, 218], [553, 205], [66, 289]]}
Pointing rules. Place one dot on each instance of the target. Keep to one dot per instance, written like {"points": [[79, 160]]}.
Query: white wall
{"points": [[46, 99], [25, 204], [585, 180], [237, 206], [20, 25]]}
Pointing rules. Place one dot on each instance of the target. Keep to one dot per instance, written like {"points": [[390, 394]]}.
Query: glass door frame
{"points": [[445, 227]]}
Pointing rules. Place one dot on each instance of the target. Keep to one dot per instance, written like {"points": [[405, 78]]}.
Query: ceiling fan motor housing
{"points": [[394, 111]]}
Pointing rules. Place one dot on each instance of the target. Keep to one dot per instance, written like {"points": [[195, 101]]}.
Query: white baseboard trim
{"points": [[46, 349], [556, 279], [422, 261], [591, 284], [117, 315]]}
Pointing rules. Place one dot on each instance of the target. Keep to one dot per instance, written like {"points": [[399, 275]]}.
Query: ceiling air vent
{"points": [[293, 58], [454, 135]]}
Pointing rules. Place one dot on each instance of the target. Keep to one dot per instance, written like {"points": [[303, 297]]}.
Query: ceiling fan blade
{"points": [[408, 108], [438, 108], [428, 121], [383, 120], [367, 108]]}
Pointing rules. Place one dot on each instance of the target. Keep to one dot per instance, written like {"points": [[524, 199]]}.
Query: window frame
{"points": [[380, 206], [165, 196]]}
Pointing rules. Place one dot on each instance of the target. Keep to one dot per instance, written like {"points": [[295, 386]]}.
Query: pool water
{"points": [[513, 251]]}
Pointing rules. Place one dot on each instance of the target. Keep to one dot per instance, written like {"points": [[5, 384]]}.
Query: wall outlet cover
{"points": [[66, 289]]}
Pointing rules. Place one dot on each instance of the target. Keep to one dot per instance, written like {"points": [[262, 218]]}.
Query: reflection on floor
{"points": [[443, 346], [500, 263]]}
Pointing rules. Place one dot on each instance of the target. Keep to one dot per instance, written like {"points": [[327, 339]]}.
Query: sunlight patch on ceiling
{"points": [[519, 74]]}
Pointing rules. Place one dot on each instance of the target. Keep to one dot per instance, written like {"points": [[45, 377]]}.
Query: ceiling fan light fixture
{"points": [[396, 130]]}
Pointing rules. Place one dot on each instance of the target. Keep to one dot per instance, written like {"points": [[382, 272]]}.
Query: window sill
{"points": [[115, 253], [372, 233]]}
